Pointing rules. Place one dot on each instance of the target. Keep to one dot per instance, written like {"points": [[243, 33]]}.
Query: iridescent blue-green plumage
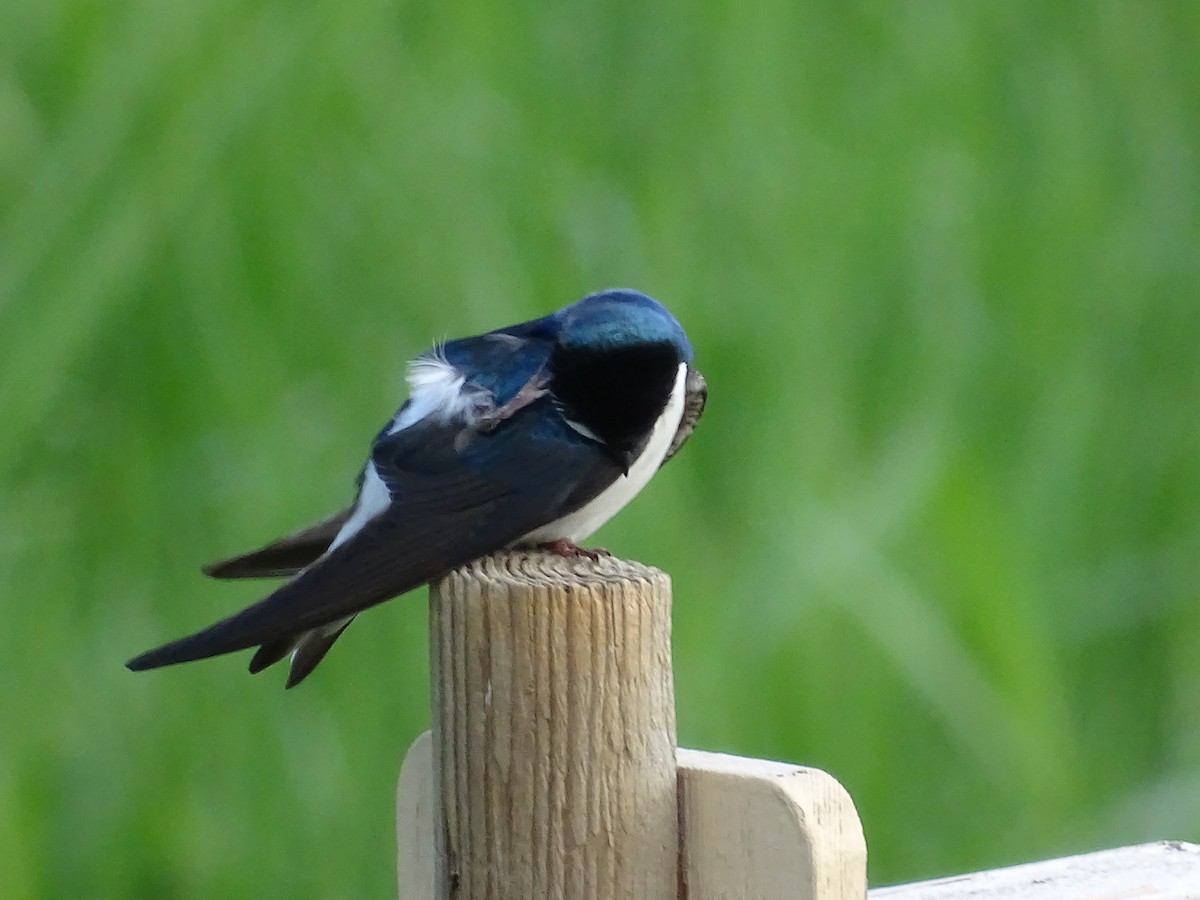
{"points": [[533, 433]]}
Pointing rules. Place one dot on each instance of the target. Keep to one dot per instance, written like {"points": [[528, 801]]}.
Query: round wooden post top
{"points": [[541, 567]]}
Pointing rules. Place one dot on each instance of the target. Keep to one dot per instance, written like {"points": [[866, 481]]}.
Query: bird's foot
{"points": [[563, 547]]}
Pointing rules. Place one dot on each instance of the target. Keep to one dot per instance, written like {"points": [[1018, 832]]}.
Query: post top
{"points": [[541, 567]]}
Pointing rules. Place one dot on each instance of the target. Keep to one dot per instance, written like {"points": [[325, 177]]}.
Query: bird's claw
{"points": [[571, 550]]}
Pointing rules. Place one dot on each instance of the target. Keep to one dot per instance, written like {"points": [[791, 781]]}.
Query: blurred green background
{"points": [[939, 532]]}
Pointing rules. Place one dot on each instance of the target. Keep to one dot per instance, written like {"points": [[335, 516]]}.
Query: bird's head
{"points": [[619, 319], [618, 358]]}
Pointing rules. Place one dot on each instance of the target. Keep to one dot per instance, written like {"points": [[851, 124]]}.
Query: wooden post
{"points": [[553, 730]]}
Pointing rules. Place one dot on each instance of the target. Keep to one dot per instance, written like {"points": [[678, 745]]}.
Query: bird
{"points": [[532, 435]]}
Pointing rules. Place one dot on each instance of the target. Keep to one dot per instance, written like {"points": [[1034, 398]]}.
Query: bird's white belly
{"points": [[577, 526]]}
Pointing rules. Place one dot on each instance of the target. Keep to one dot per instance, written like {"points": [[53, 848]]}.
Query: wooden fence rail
{"points": [[551, 769]]}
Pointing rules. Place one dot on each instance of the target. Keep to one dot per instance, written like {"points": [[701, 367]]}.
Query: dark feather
{"points": [[271, 652], [285, 556], [309, 651]]}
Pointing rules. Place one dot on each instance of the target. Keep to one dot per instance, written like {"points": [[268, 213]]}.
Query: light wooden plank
{"points": [[1168, 870], [760, 830], [414, 822]]}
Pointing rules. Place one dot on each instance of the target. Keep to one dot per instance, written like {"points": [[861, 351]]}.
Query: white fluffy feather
{"points": [[434, 388]]}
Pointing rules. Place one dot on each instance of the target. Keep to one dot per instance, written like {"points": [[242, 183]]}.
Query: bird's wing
{"points": [[500, 362], [456, 494], [694, 398], [285, 556]]}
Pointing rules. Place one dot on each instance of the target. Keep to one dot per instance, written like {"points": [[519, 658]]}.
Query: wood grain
{"points": [[553, 730]]}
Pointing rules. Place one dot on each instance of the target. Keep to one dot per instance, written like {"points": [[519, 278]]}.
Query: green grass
{"points": [[939, 532]]}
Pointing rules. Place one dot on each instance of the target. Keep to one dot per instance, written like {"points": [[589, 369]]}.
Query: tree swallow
{"points": [[533, 435]]}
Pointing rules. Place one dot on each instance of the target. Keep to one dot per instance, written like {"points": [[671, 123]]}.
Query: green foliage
{"points": [[939, 532]]}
